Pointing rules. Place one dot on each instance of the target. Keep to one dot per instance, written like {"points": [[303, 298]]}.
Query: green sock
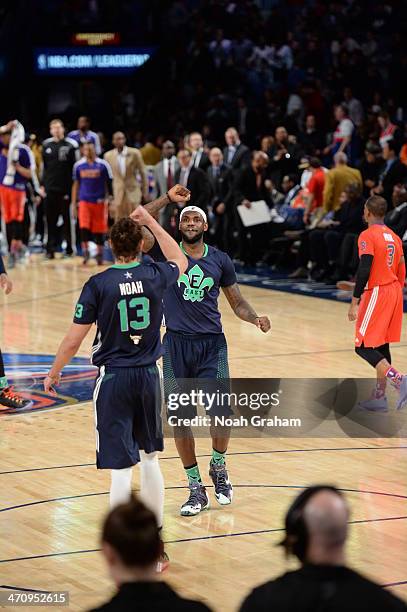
{"points": [[193, 473], [217, 457], [3, 383]]}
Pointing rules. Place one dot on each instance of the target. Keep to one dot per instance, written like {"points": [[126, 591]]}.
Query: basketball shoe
{"points": [[10, 399], [197, 501], [221, 482]]}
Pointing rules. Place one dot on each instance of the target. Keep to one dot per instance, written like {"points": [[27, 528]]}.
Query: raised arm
{"points": [[168, 246], [243, 310], [176, 195]]}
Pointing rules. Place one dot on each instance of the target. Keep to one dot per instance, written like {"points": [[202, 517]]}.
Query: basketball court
{"points": [[53, 499]]}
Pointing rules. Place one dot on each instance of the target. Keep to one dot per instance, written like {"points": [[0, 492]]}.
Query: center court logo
{"points": [[26, 373], [195, 284]]}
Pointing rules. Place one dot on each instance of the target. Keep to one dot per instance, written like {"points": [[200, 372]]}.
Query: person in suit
{"points": [[221, 180], [199, 157], [252, 185], [392, 173], [127, 164], [164, 171], [193, 179], [133, 552], [236, 154], [284, 156]]}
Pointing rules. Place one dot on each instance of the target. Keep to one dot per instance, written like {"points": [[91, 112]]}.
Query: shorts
{"points": [[127, 404], [12, 204], [93, 217], [380, 316], [194, 357]]}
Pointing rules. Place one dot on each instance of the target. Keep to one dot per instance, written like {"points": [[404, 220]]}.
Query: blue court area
{"points": [[265, 278], [27, 372]]}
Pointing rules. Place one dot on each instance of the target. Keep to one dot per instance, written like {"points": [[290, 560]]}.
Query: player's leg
{"points": [[213, 366], [99, 227], [8, 397], [18, 199], [84, 218], [177, 365]]}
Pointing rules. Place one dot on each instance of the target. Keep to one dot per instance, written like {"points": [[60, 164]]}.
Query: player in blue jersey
{"points": [[92, 181], [195, 346], [125, 302], [84, 134]]}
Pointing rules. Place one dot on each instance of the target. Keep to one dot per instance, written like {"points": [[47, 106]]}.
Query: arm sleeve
{"points": [[168, 271], [228, 272], [362, 275], [86, 307]]}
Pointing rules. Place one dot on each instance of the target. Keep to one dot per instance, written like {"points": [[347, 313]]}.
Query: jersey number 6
{"points": [[142, 306]]}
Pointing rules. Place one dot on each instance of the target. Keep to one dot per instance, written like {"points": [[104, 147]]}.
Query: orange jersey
{"points": [[387, 250]]}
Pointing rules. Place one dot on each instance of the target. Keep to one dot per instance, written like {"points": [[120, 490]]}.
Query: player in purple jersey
{"points": [[84, 134], [12, 189], [195, 346], [92, 181]]}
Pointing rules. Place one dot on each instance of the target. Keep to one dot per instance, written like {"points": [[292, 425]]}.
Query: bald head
{"points": [[340, 159], [326, 516], [215, 156]]}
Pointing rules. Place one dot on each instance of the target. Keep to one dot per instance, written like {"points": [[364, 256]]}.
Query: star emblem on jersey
{"points": [[128, 275], [195, 284]]}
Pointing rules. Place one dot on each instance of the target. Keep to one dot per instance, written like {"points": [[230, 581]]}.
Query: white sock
{"points": [[152, 484], [120, 486]]}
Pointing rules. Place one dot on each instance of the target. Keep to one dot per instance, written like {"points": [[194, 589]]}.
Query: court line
{"points": [[51, 296], [199, 538], [171, 488], [394, 583], [344, 350], [25, 589], [284, 450]]}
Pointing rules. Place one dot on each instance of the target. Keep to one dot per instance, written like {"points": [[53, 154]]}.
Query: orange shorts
{"points": [[93, 217], [12, 204], [380, 316]]}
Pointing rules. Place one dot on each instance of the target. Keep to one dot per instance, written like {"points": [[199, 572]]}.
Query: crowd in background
{"points": [[297, 104]]}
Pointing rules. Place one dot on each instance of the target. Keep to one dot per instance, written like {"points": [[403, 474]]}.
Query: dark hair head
{"points": [[296, 537], [131, 530], [315, 162], [392, 145], [125, 238], [377, 206]]}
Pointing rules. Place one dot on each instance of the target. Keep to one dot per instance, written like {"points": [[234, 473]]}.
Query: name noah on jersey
{"points": [[131, 288]]}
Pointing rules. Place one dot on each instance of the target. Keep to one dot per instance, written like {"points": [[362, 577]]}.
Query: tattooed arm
{"points": [[243, 310], [176, 194]]}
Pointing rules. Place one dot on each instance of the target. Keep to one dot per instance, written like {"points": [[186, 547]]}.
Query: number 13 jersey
{"points": [[125, 302]]}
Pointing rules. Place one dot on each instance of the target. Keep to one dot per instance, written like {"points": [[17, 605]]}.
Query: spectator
{"points": [[311, 139], [314, 188], [251, 186], [59, 155], [370, 167], [355, 108], [316, 527], [84, 134], [236, 154], [265, 143], [342, 137], [220, 49], [194, 179], [164, 173], [392, 173], [337, 179], [92, 182], [388, 131], [284, 156], [150, 152], [200, 158], [221, 180], [129, 176], [132, 548]]}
